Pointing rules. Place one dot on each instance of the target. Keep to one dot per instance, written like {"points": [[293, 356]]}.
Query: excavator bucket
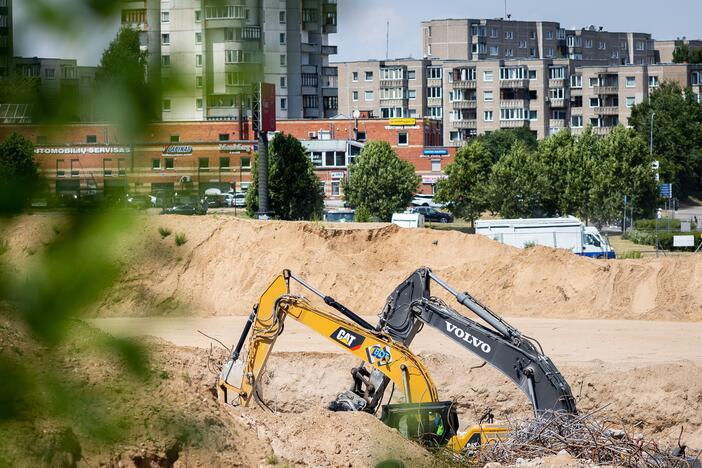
{"points": [[431, 424]]}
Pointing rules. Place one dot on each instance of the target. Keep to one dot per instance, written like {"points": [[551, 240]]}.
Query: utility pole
{"points": [[387, 41], [653, 114]]}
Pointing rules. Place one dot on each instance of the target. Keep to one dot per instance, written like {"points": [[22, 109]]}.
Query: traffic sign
{"points": [[667, 190]]}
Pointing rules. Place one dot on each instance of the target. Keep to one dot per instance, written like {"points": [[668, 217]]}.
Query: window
{"points": [[574, 41], [121, 167], [532, 35], [533, 115], [224, 163], [165, 17], [487, 96], [487, 76], [623, 45], [640, 45], [532, 74], [245, 162], [165, 60], [558, 115], [630, 101], [283, 82], [203, 164], [335, 188], [549, 52], [226, 11], [169, 163], [434, 73], [436, 112], [91, 139], [653, 82], [60, 172], [223, 137], [283, 60], [436, 165], [198, 38], [281, 17], [630, 81], [561, 34], [368, 95], [412, 94], [434, 92], [594, 102], [155, 164], [479, 48], [166, 105], [601, 45], [549, 34], [175, 138], [165, 39], [107, 167], [198, 16], [509, 35], [513, 73], [50, 73], [402, 139], [282, 38], [316, 158], [283, 103], [576, 81], [615, 54], [588, 43], [354, 95], [595, 122], [509, 52], [198, 60], [369, 76], [522, 44], [696, 78], [75, 164], [532, 52], [411, 74], [354, 76], [513, 114], [593, 81], [198, 103], [556, 93], [493, 32], [494, 51]]}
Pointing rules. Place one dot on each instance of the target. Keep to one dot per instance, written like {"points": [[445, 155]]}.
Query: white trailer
{"points": [[560, 233]]}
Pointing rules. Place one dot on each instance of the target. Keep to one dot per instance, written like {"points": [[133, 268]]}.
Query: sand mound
{"points": [[226, 264]]}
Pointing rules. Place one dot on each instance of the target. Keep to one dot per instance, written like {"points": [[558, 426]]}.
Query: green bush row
{"points": [[650, 224], [665, 239]]}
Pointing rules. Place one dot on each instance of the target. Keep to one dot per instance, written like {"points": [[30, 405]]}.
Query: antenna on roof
{"points": [[506, 10], [387, 41]]}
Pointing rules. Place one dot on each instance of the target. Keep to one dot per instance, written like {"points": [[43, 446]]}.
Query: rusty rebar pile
{"points": [[583, 437]]}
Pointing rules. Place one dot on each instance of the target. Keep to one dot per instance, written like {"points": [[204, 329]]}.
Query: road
{"points": [[621, 343]]}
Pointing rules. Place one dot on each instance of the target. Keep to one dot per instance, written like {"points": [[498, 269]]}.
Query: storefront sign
{"points": [[337, 175], [435, 152], [402, 122], [235, 148], [432, 179], [178, 149], [402, 127], [83, 150]]}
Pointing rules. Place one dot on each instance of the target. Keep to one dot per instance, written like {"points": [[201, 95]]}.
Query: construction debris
{"points": [[583, 437]]}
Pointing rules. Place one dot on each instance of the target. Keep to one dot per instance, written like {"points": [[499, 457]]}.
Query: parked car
{"points": [[239, 200], [339, 216], [140, 201], [186, 209], [423, 199], [433, 215]]}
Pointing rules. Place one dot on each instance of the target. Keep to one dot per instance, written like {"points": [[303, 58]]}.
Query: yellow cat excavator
{"points": [[421, 416]]}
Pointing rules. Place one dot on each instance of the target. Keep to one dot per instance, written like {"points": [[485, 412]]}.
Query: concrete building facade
{"points": [[208, 56], [6, 41], [665, 49]]}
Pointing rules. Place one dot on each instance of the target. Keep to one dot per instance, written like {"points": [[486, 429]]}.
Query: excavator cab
{"points": [[431, 424]]}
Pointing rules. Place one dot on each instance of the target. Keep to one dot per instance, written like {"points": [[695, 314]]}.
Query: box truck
{"points": [[560, 233]]}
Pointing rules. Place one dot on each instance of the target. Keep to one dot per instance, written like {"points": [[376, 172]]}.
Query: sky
{"points": [[362, 24]]}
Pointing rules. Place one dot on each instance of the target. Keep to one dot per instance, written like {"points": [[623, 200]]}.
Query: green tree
{"points": [[681, 54], [122, 92], [677, 134], [465, 188], [19, 173], [554, 153], [623, 167], [518, 183], [500, 142], [293, 187], [696, 56], [380, 182]]}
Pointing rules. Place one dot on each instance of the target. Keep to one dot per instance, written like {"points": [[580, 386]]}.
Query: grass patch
{"points": [[165, 232], [635, 254], [272, 459], [180, 239]]}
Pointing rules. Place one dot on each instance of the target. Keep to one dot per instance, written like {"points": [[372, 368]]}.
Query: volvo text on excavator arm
{"points": [[431, 420], [502, 346]]}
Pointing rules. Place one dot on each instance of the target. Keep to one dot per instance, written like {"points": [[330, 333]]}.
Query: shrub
{"points": [[630, 254], [180, 239], [529, 245], [650, 224], [165, 232], [362, 214]]}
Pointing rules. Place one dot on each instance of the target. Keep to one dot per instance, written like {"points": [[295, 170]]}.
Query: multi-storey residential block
{"points": [[6, 51], [209, 54], [481, 39], [665, 49]]}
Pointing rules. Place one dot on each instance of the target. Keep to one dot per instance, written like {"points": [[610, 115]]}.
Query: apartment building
{"points": [[6, 43], [485, 39], [665, 49], [208, 55]]}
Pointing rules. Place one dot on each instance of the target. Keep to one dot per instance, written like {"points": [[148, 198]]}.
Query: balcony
{"points": [[557, 83], [329, 50], [605, 90], [309, 69], [601, 131], [330, 71], [514, 123], [467, 104], [135, 19], [395, 102], [329, 91], [251, 33], [557, 123], [310, 113], [514, 83], [310, 48], [393, 83], [607, 110], [465, 123], [222, 113], [465, 84], [514, 103], [557, 102]]}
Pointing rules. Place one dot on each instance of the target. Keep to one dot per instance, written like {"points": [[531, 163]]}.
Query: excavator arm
{"points": [[502, 346], [239, 378]]}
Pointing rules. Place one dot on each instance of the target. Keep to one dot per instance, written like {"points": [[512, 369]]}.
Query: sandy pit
{"points": [[626, 334]]}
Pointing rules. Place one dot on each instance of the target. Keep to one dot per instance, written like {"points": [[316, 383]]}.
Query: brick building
{"points": [[176, 156]]}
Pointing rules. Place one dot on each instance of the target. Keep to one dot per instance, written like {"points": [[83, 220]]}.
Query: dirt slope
{"points": [[226, 264]]}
